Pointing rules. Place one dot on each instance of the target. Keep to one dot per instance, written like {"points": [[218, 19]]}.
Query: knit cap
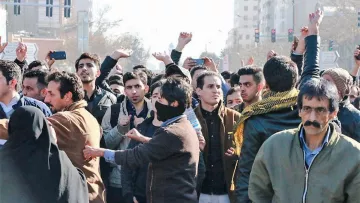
{"points": [[342, 79]]}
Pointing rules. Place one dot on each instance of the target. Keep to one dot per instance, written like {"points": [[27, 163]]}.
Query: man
{"points": [[251, 83], [116, 84], [34, 84], [37, 65], [233, 97], [173, 170], [234, 80], [121, 118], [99, 100], [217, 123], [10, 99], [75, 127], [328, 159], [226, 75], [195, 73], [354, 93]]}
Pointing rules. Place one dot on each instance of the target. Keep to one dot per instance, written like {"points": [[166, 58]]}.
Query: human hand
{"points": [[138, 121], [270, 54], [300, 47], [315, 20], [189, 63], [163, 56], [202, 142], [2, 46], [210, 64], [124, 120], [50, 61], [230, 152], [250, 61], [92, 152], [357, 53], [184, 39], [135, 135], [135, 200], [121, 53]]}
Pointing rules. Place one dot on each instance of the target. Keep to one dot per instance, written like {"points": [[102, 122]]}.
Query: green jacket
{"points": [[279, 175]]}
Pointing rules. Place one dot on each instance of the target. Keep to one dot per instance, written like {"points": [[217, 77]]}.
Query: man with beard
{"points": [[121, 118], [99, 100], [173, 152], [251, 83], [34, 84], [217, 123], [75, 127]]}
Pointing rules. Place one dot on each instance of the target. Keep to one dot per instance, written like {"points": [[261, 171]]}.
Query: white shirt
{"points": [[8, 109]]}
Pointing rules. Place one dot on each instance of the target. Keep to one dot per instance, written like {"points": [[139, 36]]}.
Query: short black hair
{"points": [[234, 79], [94, 57], [139, 67], [280, 73], [232, 91], [156, 85], [69, 82], [157, 78], [226, 75], [178, 90], [320, 89], [254, 71], [135, 75], [116, 79], [11, 71], [35, 64], [149, 74], [196, 68], [200, 80], [40, 75]]}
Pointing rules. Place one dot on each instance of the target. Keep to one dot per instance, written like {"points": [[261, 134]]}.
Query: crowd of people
{"points": [[284, 132]]}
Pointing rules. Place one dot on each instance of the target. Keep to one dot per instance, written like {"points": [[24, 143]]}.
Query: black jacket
{"points": [[260, 127], [349, 117], [173, 154], [99, 102]]}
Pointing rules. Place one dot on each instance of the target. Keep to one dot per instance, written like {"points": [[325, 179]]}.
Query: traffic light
{"points": [[49, 9], [273, 35], [257, 36], [291, 35], [331, 45], [17, 7], [67, 10]]}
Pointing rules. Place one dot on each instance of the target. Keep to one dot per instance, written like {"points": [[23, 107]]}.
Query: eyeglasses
{"points": [[318, 110]]}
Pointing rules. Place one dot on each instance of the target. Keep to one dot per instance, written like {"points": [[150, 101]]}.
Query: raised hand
{"points": [[163, 56], [299, 47], [124, 120], [315, 20], [270, 54], [189, 63], [21, 51], [121, 53], [357, 54], [250, 61], [208, 62], [184, 39], [50, 61], [2, 46], [135, 135]]}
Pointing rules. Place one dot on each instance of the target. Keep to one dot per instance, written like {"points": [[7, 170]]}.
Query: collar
{"points": [[210, 114], [76, 105], [303, 142], [13, 101], [172, 120]]}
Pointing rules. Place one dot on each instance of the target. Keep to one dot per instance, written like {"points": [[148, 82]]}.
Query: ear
{"points": [[43, 92], [98, 73], [198, 91], [13, 83], [146, 89], [260, 86], [333, 115], [68, 97], [175, 104]]}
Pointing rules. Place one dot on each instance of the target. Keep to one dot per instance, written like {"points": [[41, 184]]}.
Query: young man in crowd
{"points": [[99, 100], [10, 84], [75, 127], [313, 149], [34, 84], [119, 120], [251, 83], [226, 75], [37, 65], [217, 123], [233, 97], [173, 170], [116, 84], [134, 180]]}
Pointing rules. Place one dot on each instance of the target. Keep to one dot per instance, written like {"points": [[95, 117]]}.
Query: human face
{"points": [[316, 111], [155, 97], [53, 97], [135, 90], [353, 94], [249, 88], [31, 89], [87, 70], [211, 92], [329, 78], [40, 68], [118, 89], [5, 87], [233, 99], [195, 77]]}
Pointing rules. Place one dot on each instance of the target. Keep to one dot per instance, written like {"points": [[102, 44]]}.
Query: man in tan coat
{"points": [[75, 127]]}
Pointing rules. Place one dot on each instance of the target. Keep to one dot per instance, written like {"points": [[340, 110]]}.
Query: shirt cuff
{"points": [[109, 156]]}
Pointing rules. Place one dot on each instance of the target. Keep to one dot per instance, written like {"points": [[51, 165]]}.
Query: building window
{"points": [[246, 8], [240, 37], [255, 8], [246, 18], [255, 26], [247, 36], [255, 18]]}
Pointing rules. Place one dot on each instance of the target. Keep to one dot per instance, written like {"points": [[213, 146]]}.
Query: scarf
{"points": [[272, 101]]}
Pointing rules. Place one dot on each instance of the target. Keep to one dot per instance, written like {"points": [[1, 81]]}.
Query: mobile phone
{"points": [[58, 55], [199, 62], [358, 56]]}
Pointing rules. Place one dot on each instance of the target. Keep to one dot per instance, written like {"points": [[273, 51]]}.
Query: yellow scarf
{"points": [[272, 101]]}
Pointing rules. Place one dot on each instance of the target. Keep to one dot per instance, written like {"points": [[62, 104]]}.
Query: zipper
{"points": [[307, 170]]}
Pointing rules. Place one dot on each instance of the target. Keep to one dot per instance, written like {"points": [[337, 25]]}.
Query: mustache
{"points": [[313, 123]]}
